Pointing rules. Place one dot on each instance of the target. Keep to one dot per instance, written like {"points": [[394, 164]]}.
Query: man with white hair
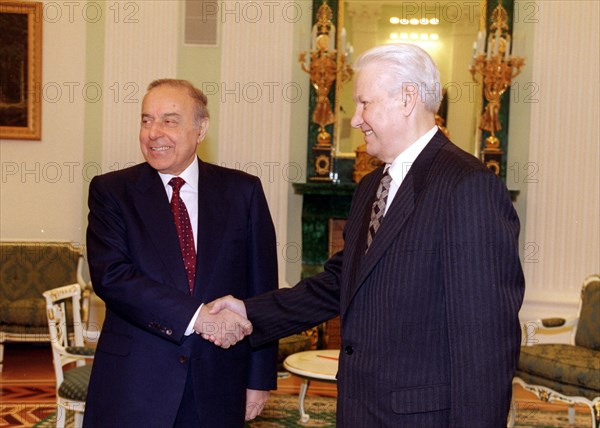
{"points": [[429, 283]]}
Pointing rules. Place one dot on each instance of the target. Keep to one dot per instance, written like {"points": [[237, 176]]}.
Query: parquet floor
{"points": [[27, 392], [27, 375]]}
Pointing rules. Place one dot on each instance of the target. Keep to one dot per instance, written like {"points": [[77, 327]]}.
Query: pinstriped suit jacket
{"points": [[429, 317]]}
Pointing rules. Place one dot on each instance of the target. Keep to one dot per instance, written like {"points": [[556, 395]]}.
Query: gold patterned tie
{"points": [[184, 231], [378, 209]]}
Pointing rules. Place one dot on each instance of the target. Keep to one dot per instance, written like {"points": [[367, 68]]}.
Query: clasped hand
{"points": [[223, 322]]}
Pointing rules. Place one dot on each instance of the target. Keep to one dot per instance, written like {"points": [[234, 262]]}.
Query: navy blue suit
{"points": [[429, 316], [143, 358]]}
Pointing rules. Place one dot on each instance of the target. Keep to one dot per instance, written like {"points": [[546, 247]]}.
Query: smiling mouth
{"points": [[367, 133], [160, 149]]}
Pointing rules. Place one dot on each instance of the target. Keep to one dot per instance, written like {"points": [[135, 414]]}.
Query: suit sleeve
{"points": [[312, 301], [292, 310], [484, 288], [164, 311], [262, 278]]}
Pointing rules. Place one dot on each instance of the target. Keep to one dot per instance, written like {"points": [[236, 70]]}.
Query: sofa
{"points": [[27, 269], [566, 372]]}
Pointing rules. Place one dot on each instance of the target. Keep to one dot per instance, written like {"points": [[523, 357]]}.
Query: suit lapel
{"points": [[356, 236], [401, 208], [398, 212], [152, 204], [213, 212]]}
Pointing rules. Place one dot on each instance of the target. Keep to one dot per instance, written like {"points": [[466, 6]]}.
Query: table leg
{"points": [[304, 417]]}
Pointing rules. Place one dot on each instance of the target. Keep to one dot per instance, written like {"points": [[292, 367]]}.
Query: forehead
{"points": [[167, 97], [370, 81]]}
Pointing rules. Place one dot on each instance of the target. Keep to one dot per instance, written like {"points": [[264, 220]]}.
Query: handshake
{"points": [[223, 322]]}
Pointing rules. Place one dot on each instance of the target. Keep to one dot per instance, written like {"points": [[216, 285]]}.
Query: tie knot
{"points": [[176, 183]]}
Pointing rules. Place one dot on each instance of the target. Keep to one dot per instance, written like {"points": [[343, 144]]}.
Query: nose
{"points": [[357, 120], [155, 130]]}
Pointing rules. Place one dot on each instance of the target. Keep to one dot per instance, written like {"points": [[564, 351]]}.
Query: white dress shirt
{"points": [[401, 165]]}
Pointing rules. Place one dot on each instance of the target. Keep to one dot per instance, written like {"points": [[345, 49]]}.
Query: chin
{"points": [[371, 151], [159, 166]]}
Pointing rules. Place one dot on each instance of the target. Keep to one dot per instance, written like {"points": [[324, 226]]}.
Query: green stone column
{"points": [[503, 114]]}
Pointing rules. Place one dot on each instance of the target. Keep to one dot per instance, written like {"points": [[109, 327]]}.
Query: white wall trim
{"points": [[256, 92]]}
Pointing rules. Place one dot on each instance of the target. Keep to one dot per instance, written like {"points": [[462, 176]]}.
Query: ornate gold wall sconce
{"points": [[494, 67], [325, 64]]}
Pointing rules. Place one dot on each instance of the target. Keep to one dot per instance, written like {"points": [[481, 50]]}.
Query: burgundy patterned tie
{"points": [[184, 231], [379, 206]]}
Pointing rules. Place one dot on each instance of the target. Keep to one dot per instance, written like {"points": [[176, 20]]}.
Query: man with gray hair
{"points": [[164, 237], [429, 283]]}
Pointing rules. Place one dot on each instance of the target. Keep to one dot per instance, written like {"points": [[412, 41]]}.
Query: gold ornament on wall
{"points": [[325, 65], [494, 67]]}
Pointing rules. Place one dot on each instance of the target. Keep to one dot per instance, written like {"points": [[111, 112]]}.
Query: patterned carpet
{"points": [[282, 412], [24, 415], [24, 405], [34, 406]]}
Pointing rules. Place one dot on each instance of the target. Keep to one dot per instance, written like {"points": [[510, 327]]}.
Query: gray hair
{"points": [[407, 65], [200, 99]]}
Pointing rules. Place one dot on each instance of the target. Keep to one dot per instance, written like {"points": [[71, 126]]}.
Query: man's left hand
{"points": [[255, 402]]}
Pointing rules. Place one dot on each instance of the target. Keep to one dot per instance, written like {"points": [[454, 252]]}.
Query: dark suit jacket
{"points": [[136, 266], [429, 317]]}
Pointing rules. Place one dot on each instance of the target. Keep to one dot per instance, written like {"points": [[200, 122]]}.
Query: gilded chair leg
{"points": [[571, 414], [78, 419], [61, 416]]}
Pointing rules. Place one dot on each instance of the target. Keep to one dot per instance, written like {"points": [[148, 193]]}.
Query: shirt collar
{"points": [[190, 175], [401, 165]]}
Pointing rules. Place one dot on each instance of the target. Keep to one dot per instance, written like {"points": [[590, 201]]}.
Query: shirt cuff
{"points": [[190, 328]]}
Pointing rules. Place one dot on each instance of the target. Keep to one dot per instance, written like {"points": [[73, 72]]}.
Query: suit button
{"points": [[182, 359], [349, 350], [168, 332]]}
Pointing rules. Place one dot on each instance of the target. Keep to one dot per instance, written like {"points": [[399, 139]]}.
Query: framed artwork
{"points": [[20, 70]]}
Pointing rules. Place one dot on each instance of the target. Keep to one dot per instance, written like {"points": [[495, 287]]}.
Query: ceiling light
{"points": [[434, 21], [394, 20], [414, 21]]}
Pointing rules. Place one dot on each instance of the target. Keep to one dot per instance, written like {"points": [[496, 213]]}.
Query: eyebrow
{"points": [[166, 115], [170, 115]]}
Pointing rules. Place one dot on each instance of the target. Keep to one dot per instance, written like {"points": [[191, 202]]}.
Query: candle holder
{"points": [[494, 67], [325, 65]]}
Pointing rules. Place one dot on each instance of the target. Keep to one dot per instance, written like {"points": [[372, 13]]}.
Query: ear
{"points": [[203, 129], [410, 96]]}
